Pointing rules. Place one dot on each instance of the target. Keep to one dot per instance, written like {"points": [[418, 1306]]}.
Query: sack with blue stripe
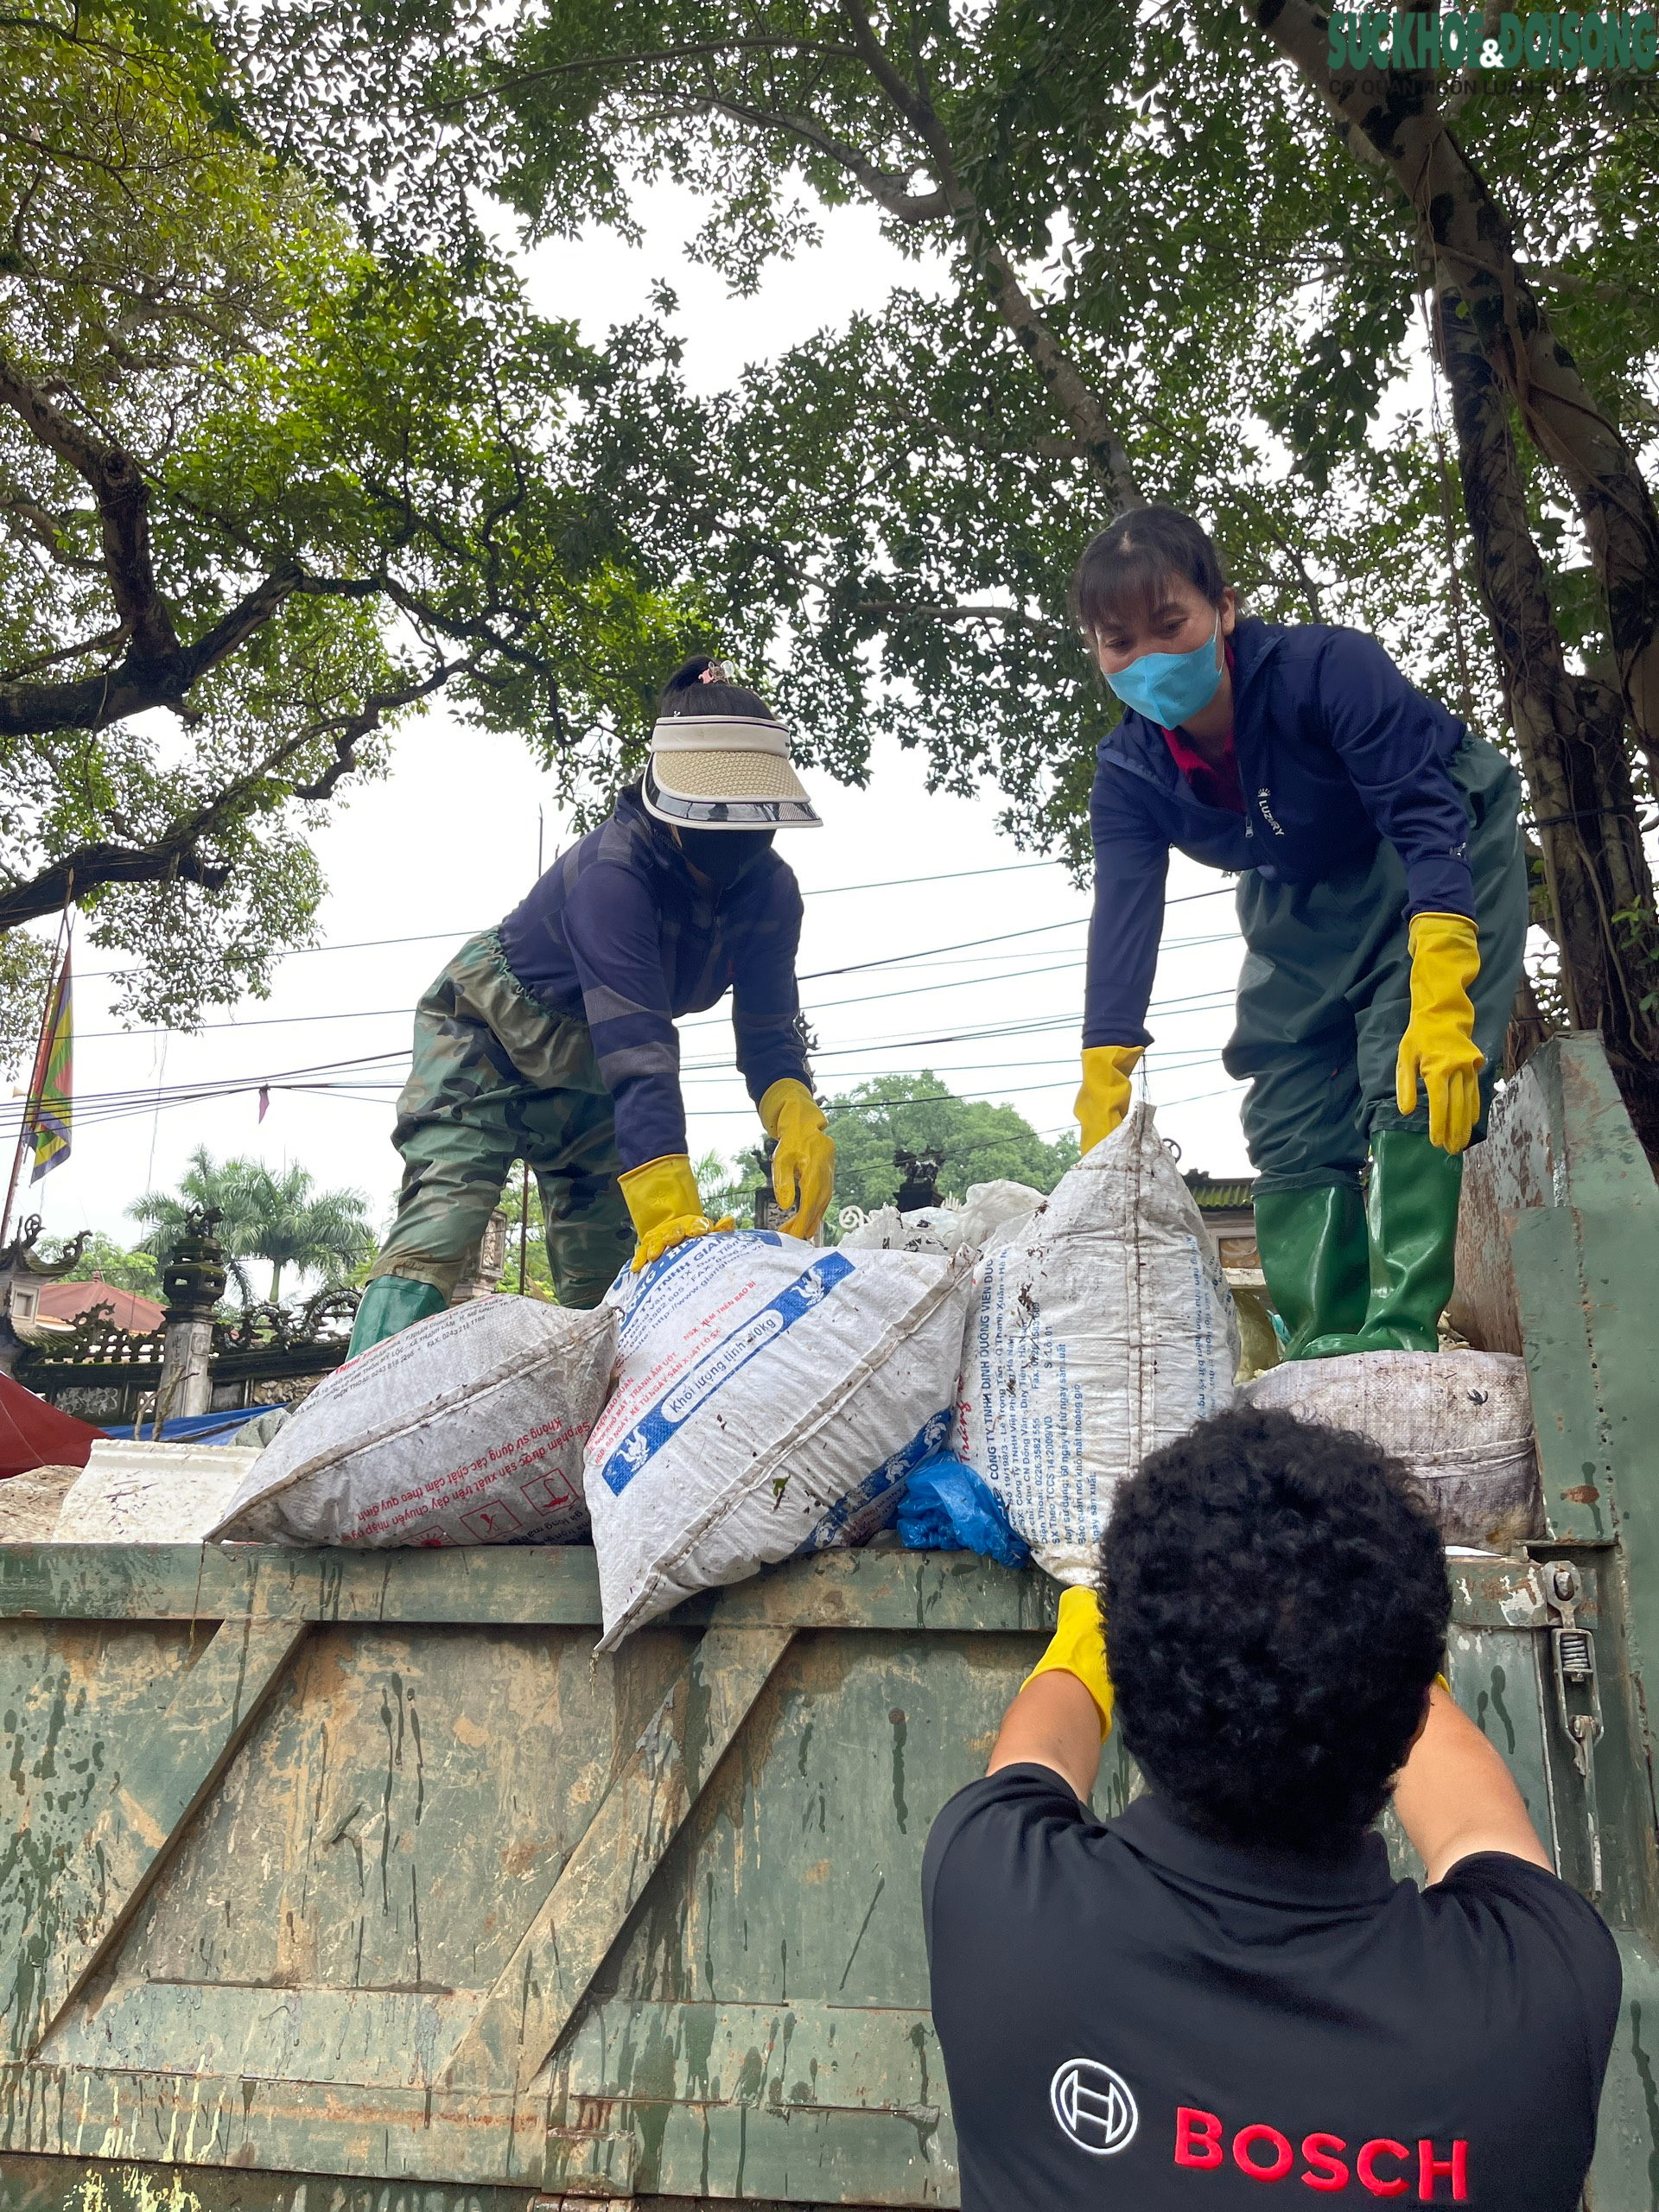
{"points": [[768, 1398]]}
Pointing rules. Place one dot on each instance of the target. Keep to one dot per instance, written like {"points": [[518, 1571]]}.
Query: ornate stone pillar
{"points": [[192, 1283], [768, 1214], [484, 1265]]}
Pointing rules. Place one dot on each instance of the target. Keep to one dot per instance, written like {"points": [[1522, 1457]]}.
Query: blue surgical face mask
{"points": [[1169, 687]]}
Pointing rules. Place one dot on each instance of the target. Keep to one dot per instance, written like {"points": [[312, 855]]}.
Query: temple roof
{"points": [[1220, 1195]]}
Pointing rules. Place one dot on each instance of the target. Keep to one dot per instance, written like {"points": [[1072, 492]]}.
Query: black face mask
{"points": [[723, 855]]}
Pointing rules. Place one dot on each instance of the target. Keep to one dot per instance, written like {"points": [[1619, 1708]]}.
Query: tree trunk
{"points": [[1528, 1028], [275, 1279], [1570, 731], [1473, 245]]}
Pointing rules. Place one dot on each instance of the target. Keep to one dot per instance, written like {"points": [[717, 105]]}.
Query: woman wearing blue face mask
{"points": [[1382, 899]]}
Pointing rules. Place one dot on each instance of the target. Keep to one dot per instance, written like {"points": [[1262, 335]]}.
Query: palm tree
{"points": [[280, 1219], [219, 1186], [317, 1232]]}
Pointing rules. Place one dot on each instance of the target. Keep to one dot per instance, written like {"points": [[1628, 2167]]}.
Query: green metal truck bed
{"points": [[352, 1880], [358, 1864]]}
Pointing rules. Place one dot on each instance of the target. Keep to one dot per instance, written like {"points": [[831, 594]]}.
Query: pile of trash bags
{"points": [[981, 1377]]}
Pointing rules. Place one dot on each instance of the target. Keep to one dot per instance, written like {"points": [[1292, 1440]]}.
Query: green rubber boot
{"points": [[1414, 1232], [1314, 1257], [391, 1303]]}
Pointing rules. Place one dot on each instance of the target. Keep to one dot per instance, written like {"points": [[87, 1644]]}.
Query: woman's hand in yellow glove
{"points": [[1440, 1040], [804, 1165], [1104, 1098], [665, 1207]]}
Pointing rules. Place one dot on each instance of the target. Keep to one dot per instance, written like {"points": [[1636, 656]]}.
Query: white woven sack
{"points": [[1461, 1420], [990, 1207], [467, 1428], [930, 1229], [987, 1206], [762, 1390], [1099, 1328]]}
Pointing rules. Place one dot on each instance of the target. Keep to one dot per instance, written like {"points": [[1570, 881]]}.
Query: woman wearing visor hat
{"points": [[551, 1039]]}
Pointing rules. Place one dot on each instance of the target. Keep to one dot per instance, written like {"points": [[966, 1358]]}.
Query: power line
{"points": [[432, 937], [951, 875], [93, 1107], [98, 1107], [142, 1097], [712, 1022], [1176, 1010], [150, 1105], [1226, 1091], [970, 982], [1002, 937]]}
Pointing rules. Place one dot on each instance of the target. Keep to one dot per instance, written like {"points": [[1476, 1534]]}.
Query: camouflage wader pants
{"points": [[1325, 993], [496, 1078]]}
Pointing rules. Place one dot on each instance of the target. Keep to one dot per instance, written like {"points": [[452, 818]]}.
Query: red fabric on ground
{"points": [[35, 1434]]}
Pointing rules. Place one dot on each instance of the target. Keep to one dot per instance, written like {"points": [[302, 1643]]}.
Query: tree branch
{"points": [[29, 709], [889, 192], [89, 866], [1568, 729], [1310, 587], [1105, 450], [119, 486], [176, 856], [1013, 618], [106, 641], [1564, 280], [351, 729], [645, 58], [45, 530]]}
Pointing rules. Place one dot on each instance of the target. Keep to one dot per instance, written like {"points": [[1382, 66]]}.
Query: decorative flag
{"points": [[264, 1100], [49, 1115]]}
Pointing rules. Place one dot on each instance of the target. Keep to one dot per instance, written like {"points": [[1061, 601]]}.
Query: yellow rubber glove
{"points": [[666, 1206], [804, 1165], [1440, 1040], [1079, 1648], [1104, 1098]]}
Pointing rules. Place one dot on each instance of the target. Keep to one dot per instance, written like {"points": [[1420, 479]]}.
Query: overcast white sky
{"points": [[449, 843]]}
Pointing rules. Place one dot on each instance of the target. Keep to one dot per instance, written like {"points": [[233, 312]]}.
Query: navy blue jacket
{"points": [[1335, 750], [618, 934]]}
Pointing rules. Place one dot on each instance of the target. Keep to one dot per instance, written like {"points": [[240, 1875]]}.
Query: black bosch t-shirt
{"points": [[1133, 2015]]}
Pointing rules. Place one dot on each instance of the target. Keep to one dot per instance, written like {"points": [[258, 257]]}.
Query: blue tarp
{"points": [[193, 1428]]}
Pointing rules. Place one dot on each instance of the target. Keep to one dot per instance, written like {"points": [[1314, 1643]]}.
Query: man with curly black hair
{"points": [[1224, 1986]]}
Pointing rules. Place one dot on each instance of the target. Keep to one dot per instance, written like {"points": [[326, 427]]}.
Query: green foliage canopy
{"points": [[261, 493], [103, 1260], [981, 1143], [1157, 272], [1161, 276]]}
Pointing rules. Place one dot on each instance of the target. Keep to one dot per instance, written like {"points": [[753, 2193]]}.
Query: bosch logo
{"points": [[1094, 2106]]}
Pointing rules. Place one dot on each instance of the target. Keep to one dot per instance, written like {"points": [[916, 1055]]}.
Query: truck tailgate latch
{"points": [[1578, 1692]]}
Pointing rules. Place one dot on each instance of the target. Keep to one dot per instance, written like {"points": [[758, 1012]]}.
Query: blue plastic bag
{"points": [[947, 1507]]}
